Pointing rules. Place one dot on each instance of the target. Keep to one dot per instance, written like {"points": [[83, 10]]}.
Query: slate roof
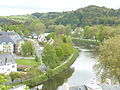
{"points": [[103, 86], [81, 87], [8, 33], [6, 39], [33, 34], [10, 36], [110, 87], [16, 38], [6, 58]]}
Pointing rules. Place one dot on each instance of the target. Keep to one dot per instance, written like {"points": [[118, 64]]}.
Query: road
{"points": [[39, 54], [38, 51]]}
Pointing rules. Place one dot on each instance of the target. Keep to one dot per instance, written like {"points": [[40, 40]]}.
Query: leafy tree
{"points": [[36, 58], [66, 39], [51, 35], [49, 56], [51, 28], [22, 76], [27, 49], [37, 26], [67, 47], [59, 29], [26, 88], [109, 54], [49, 72], [68, 30], [14, 75], [31, 74], [3, 80], [87, 32], [59, 52]]}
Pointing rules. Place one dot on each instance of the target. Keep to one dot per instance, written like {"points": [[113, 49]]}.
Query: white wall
{"points": [[10, 45], [6, 69]]}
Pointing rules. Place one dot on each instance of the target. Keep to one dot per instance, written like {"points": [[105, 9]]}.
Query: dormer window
{"points": [[4, 43]]}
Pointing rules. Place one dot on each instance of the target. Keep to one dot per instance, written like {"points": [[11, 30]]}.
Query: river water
{"points": [[79, 73]]}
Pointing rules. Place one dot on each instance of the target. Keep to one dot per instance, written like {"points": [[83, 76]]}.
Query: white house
{"points": [[10, 42], [33, 35], [42, 38], [7, 64], [6, 44], [51, 41]]}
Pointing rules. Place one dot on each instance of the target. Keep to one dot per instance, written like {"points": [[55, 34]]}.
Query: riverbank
{"points": [[39, 79], [85, 42]]}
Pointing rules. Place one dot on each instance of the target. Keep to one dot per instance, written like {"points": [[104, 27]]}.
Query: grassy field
{"points": [[29, 62]]}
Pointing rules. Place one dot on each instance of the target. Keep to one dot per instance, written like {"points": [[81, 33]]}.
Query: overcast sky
{"points": [[19, 7]]}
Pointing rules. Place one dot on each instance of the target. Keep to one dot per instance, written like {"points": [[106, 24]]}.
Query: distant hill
{"points": [[89, 15], [16, 19]]}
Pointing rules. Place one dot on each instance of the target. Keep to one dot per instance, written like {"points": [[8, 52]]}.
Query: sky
{"points": [[21, 7]]}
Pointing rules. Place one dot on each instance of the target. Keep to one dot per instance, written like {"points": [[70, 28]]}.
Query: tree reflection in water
{"points": [[58, 80]]}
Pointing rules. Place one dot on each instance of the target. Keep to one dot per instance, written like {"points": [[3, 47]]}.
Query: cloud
{"points": [[27, 6]]}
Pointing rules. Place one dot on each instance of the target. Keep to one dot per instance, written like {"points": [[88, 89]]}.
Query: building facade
{"points": [[7, 64]]}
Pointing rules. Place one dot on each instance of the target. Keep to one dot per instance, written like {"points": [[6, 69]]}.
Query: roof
{"points": [[81, 87], [33, 34], [6, 58], [6, 39], [16, 38], [8, 33], [10, 36], [110, 87], [93, 86]]}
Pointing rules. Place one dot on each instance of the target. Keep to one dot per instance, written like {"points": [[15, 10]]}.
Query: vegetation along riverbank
{"points": [[41, 78]]}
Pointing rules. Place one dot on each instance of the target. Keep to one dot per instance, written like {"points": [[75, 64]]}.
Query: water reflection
{"points": [[58, 80]]}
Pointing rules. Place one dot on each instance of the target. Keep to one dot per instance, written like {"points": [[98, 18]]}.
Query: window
{"points": [[13, 66], [8, 69]]}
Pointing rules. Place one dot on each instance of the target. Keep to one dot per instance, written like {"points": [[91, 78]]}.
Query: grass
{"points": [[29, 62]]}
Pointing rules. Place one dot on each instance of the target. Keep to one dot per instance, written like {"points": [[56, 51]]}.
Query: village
{"points": [[10, 48], [59, 45]]}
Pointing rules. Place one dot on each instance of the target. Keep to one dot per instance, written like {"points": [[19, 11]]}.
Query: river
{"points": [[79, 73]]}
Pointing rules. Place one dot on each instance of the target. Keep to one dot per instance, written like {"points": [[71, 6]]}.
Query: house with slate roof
{"points": [[10, 42], [6, 44], [7, 64]]}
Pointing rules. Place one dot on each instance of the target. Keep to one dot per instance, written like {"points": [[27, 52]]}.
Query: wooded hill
{"points": [[90, 15]]}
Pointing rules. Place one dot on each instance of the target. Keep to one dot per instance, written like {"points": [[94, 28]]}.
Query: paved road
{"points": [[38, 51]]}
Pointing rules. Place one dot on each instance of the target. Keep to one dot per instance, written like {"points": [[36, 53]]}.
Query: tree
{"points": [[37, 26], [67, 47], [27, 49], [14, 75], [3, 79], [49, 56], [66, 39], [59, 52], [68, 30], [36, 58], [31, 74], [109, 58], [87, 32], [51, 35], [59, 29]]}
